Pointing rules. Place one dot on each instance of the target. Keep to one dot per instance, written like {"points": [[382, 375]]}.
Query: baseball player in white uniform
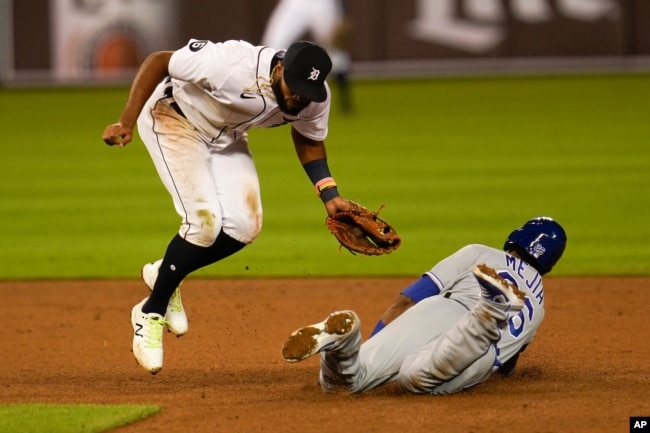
{"points": [[194, 107], [326, 21], [468, 317]]}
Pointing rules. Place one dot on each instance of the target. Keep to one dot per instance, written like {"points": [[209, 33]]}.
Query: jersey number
{"points": [[516, 323]]}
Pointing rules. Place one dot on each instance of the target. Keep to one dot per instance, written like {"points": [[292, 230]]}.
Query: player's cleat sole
{"points": [[147, 338], [307, 341], [497, 289], [175, 315]]}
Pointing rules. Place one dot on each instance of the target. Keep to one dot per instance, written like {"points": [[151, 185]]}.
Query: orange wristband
{"points": [[323, 184]]}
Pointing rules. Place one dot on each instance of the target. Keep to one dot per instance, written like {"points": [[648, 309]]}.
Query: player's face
{"points": [[288, 101]]}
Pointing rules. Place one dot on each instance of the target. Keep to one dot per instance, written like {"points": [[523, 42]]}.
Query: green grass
{"points": [[455, 161], [86, 418]]}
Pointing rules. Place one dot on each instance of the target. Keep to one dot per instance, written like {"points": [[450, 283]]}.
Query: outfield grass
{"points": [[455, 161]]}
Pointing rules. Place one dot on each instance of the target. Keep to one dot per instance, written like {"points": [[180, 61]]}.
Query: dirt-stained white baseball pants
{"points": [[212, 189]]}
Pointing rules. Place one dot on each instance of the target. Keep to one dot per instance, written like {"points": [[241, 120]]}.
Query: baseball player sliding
{"points": [[468, 317], [194, 107]]}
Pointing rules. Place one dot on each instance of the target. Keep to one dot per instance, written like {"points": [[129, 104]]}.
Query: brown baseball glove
{"points": [[362, 231]]}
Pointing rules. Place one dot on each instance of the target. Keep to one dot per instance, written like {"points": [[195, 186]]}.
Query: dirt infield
{"points": [[70, 342]]}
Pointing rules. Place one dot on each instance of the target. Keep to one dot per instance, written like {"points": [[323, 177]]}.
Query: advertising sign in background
{"points": [[81, 40], [95, 39]]}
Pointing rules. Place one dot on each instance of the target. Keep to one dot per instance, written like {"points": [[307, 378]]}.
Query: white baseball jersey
{"points": [[195, 126], [441, 344], [224, 89]]}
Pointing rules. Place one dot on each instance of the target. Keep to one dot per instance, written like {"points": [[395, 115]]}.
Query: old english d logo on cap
{"points": [[306, 66], [314, 74]]}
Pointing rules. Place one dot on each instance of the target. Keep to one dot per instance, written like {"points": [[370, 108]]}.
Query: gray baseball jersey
{"points": [[454, 278], [447, 323]]}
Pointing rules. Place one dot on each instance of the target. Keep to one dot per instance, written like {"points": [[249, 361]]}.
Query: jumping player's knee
{"points": [[205, 226], [245, 229], [202, 228]]}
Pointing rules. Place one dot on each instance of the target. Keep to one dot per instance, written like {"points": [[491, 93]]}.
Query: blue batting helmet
{"points": [[541, 240]]}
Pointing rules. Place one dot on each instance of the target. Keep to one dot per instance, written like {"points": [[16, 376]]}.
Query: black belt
{"points": [[169, 93], [448, 295]]}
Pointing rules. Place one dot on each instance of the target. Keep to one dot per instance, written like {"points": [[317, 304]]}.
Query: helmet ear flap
{"points": [[540, 242]]}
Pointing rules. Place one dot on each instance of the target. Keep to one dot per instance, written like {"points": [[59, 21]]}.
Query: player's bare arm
{"points": [[401, 304], [310, 151], [307, 149], [151, 72]]}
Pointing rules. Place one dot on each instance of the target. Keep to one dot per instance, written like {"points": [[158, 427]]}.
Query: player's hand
{"points": [[117, 135], [337, 204]]}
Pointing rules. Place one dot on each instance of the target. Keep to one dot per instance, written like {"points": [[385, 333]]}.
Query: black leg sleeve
{"points": [[181, 259]]}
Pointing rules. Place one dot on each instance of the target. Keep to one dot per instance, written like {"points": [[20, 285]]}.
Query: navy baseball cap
{"points": [[306, 66]]}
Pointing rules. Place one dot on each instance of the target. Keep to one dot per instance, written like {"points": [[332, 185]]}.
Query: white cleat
{"points": [[497, 289], [315, 338], [175, 315], [147, 338]]}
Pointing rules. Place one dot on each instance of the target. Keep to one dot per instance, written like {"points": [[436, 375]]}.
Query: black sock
{"points": [[182, 258], [223, 247]]}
